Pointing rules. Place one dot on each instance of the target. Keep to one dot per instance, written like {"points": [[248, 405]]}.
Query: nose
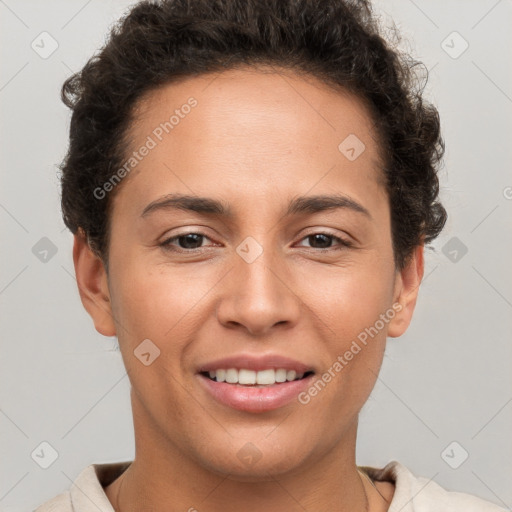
{"points": [[259, 296]]}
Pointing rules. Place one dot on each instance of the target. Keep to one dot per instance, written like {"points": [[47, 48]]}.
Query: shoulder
{"points": [[87, 488], [61, 503], [419, 494]]}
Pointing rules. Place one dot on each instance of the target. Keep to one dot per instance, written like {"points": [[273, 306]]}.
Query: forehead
{"points": [[264, 98], [255, 126]]}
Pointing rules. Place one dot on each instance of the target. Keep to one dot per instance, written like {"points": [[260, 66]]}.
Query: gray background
{"points": [[446, 380]]}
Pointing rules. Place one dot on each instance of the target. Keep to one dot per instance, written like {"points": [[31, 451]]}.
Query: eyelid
{"points": [[167, 241], [342, 241]]}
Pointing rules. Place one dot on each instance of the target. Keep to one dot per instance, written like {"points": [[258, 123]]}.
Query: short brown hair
{"points": [[337, 41]]}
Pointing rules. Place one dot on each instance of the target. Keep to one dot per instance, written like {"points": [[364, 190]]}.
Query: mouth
{"points": [[255, 379], [255, 384]]}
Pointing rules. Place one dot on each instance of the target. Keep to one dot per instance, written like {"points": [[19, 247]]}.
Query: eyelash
{"points": [[343, 244]]}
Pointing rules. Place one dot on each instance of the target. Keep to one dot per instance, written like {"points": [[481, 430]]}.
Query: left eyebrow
{"points": [[319, 203], [299, 205]]}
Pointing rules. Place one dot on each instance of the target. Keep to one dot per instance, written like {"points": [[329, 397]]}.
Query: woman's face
{"points": [[270, 278]]}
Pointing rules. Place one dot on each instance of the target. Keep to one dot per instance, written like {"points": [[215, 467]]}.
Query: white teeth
{"points": [[231, 376], [266, 377], [290, 375], [246, 377], [250, 377], [281, 375]]}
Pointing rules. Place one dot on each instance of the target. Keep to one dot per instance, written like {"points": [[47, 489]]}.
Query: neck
{"points": [[161, 476]]}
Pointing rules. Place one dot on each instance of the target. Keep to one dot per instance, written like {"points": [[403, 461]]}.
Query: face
{"points": [[284, 271]]}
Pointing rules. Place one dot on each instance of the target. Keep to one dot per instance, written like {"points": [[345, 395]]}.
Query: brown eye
{"points": [[185, 241], [324, 241], [320, 241]]}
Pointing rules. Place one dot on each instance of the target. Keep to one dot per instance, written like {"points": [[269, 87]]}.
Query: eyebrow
{"points": [[209, 206]]}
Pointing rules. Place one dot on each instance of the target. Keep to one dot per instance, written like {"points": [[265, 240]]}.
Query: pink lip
{"points": [[256, 363], [255, 398], [252, 398]]}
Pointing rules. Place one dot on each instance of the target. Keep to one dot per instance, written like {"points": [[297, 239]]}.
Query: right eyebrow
{"points": [[189, 203]]}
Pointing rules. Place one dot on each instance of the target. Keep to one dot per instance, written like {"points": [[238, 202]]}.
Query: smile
{"points": [[247, 377]]}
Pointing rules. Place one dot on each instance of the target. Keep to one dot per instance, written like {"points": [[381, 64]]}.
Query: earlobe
{"points": [[407, 286], [91, 278]]}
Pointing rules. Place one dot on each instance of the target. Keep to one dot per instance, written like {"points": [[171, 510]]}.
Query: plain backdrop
{"points": [[442, 404]]}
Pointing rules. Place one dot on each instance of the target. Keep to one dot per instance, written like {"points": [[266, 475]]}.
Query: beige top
{"points": [[412, 494]]}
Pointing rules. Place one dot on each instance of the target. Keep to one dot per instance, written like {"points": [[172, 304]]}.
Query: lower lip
{"points": [[255, 399]]}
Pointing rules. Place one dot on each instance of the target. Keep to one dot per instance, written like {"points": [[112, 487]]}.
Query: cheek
{"points": [[350, 305], [348, 299], [165, 308], [155, 301]]}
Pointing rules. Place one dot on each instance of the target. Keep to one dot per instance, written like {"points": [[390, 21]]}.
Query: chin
{"points": [[257, 461]]}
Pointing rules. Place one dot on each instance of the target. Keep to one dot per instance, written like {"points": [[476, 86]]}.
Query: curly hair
{"points": [[337, 41]]}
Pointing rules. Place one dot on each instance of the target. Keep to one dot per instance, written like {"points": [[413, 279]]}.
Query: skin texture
{"points": [[256, 139]]}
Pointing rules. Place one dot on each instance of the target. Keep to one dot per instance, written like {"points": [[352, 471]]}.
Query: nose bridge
{"points": [[257, 267], [258, 297]]}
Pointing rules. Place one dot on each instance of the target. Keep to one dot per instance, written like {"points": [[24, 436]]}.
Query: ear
{"points": [[407, 285], [91, 278]]}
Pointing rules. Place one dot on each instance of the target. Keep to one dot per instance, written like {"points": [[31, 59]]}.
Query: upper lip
{"points": [[256, 363]]}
